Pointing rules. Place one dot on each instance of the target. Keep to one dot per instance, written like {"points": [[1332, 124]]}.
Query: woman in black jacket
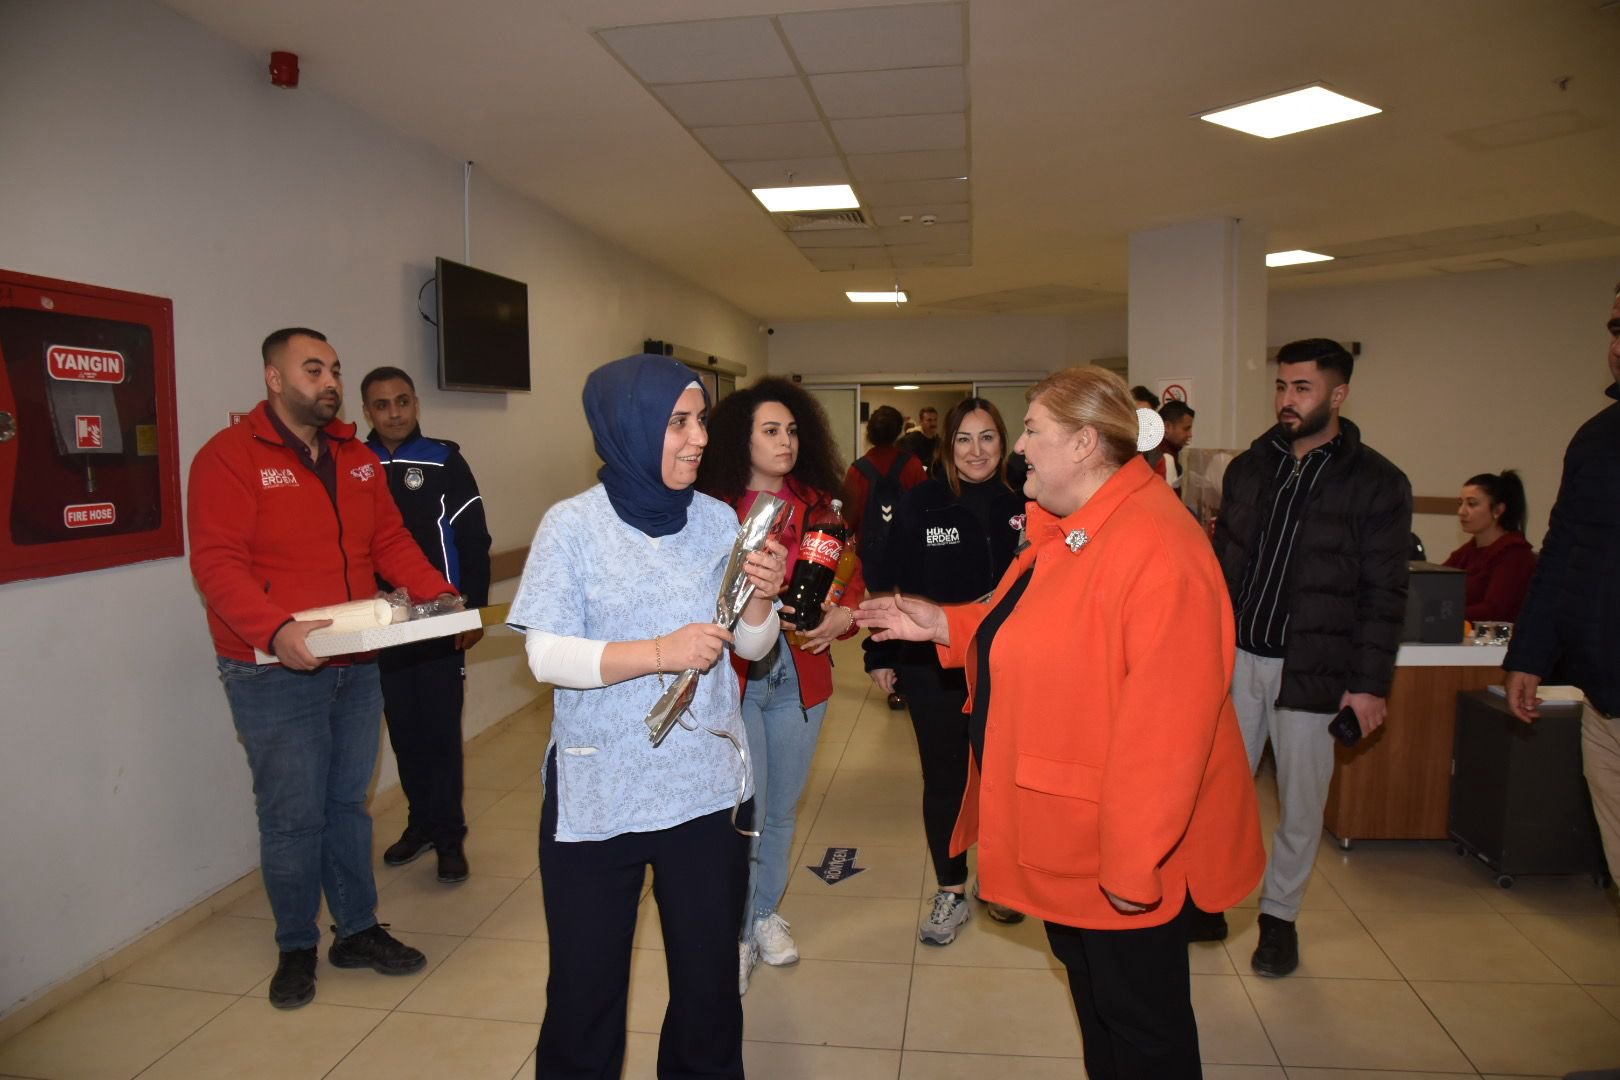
{"points": [[953, 537]]}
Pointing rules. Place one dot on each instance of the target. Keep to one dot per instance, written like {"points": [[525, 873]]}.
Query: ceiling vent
{"points": [[821, 220]]}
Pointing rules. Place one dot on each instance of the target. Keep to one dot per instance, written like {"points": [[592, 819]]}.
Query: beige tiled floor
{"points": [[1414, 965]]}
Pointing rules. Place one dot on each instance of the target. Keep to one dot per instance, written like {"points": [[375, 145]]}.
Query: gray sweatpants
{"points": [[1304, 752]]}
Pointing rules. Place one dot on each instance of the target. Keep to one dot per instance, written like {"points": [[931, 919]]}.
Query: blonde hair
{"points": [[1091, 397]]}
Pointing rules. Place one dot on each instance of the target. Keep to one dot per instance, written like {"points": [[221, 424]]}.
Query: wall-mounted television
{"points": [[483, 329]]}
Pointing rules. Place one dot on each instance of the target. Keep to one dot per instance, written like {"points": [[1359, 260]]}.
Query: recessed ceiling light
{"points": [[908, 386], [1284, 114], [1295, 257], [891, 297], [782, 200]]}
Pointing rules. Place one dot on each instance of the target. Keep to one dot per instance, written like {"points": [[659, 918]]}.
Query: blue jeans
{"points": [[782, 738], [311, 741]]}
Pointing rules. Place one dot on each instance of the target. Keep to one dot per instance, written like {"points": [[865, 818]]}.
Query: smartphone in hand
{"points": [[1345, 727]]}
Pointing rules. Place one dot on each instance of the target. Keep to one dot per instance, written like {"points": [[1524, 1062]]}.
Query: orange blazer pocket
{"points": [[1058, 816]]}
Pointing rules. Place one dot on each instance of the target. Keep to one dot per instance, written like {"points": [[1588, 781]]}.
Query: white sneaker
{"points": [[746, 955], [951, 910], [776, 946]]}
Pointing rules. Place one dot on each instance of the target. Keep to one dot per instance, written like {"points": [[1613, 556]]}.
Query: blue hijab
{"points": [[627, 404]]}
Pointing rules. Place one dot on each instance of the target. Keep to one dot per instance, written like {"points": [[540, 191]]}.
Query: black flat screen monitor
{"points": [[483, 329]]}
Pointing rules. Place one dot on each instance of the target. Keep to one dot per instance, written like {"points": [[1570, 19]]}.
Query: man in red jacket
{"points": [[288, 511]]}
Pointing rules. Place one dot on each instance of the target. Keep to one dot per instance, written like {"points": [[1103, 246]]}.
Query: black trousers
{"points": [[934, 697], [591, 890], [1133, 994], [424, 686]]}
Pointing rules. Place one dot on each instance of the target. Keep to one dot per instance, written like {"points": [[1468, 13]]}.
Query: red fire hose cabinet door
{"points": [[89, 454]]}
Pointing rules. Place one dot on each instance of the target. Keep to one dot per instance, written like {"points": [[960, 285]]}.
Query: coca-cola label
{"points": [[84, 365], [821, 548]]}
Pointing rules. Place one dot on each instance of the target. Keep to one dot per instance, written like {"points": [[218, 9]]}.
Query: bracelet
{"points": [[658, 661]]}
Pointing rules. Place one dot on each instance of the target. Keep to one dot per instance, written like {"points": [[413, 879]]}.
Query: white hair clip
{"points": [[1149, 430]]}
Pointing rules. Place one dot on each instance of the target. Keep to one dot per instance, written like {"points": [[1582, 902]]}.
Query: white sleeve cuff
{"points": [[574, 663], [754, 642]]}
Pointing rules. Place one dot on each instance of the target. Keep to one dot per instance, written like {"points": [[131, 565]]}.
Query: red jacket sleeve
{"points": [[221, 514]]}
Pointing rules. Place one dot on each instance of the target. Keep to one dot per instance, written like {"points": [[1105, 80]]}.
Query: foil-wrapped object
{"points": [[766, 518]]}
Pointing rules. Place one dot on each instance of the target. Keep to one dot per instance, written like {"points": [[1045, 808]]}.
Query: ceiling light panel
{"points": [[1291, 112], [741, 101], [889, 296], [904, 92], [804, 197], [889, 134], [1295, 257], [873, 39], [708, 50]]}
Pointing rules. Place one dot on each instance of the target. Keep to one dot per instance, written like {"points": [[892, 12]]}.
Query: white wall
{"points": [[139, 151]]}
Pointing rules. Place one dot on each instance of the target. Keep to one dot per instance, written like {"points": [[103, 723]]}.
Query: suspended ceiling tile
{"points": [[889, 216], [913, 191], [892, 134], [869, 39], [766, 142], [910, 165], [703, 51], [805, 172], [927, 262], [848, 258], [960, 234], [891, 93], [740, 101], [944, 247], [812, 239]]}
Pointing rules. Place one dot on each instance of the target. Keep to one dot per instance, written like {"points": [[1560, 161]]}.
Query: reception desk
{"points": [[1396, 785]]}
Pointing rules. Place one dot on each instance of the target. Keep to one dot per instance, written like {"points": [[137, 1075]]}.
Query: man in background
{"points": [[1178, 430], [424, 682], [923, 443], [1571, 617], [1312, 537]]}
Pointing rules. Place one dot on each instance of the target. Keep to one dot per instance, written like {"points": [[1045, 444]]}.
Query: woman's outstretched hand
{"points": [[904, 618]]}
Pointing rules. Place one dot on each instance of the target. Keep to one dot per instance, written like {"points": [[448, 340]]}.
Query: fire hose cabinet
{"points": [[89, 454]]}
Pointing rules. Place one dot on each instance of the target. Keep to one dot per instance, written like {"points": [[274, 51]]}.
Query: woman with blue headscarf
{"points": [[617, 597]]}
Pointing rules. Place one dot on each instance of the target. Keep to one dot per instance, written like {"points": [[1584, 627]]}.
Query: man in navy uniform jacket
{"points": [[423, 682]]}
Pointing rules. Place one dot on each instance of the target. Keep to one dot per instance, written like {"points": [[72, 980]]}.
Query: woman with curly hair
{"points": [[773, 437]]}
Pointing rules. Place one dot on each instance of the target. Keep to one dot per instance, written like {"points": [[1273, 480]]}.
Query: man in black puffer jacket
{"points": [[1572, 615], [1313, 537]]}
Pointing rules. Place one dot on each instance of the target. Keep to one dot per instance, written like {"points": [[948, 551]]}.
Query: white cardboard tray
{"points": [[326, 643]]}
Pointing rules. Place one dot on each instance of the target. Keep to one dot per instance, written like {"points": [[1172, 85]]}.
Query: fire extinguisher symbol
{"points": [[87, 432]]}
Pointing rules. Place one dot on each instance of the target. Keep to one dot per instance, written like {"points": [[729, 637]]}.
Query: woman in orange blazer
{"points": [[1108, 779]]}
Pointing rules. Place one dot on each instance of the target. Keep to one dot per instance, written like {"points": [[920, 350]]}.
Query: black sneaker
{"points": [[452, 863], [376, 949], [293, 984], [1203, 925], [408, 848], [1278, 954]]}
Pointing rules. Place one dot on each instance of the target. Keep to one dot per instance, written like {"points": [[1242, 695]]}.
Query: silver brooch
{"points": [[1077, 540]]}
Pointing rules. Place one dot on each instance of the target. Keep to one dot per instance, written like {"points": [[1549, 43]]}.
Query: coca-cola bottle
{"points": [[825, 534]]}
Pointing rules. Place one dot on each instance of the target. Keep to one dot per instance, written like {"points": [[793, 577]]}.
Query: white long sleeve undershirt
{"points": [[575, 663]]}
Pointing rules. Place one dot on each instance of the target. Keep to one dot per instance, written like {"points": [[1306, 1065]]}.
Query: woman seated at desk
{"points": [[1498, 559]]}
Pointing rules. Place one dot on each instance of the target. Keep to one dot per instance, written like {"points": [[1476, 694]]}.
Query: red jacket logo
{"points": [[274, 478], [821, 548], [363, 473], [84, 365], [85, 515]]}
